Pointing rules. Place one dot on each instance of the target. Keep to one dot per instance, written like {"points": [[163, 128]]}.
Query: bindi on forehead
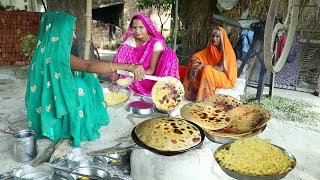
{"points": [[215, 35]]}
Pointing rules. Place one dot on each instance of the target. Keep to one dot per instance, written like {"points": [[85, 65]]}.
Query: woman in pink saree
{"points": [[144, 45]]}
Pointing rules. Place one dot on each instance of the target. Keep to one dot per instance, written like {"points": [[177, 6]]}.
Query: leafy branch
{"points": [[27, 44], [160, 5]]}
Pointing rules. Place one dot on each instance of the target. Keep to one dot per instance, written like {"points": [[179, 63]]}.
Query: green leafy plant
{"points": [[286, 109], [27, 44], [163, 6]]}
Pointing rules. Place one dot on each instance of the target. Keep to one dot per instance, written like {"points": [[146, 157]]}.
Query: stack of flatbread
{"points": [[167, 94], [206, 116], [225, 116], [225, 101], [246, 121], [168, 134]]}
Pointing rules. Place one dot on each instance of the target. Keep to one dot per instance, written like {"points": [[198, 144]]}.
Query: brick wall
{"points": [[13, 26], [101, 36]]}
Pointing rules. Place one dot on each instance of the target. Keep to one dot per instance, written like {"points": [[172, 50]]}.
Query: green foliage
{"points": [[286, 109], [158, 4], [179, 38], [27, 44]]}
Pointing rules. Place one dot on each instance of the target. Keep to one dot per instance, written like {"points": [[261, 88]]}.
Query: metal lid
{"points": [[140, 107]]}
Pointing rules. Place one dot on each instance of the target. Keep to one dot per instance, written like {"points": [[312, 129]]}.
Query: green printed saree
{"points": [[62, 103]]}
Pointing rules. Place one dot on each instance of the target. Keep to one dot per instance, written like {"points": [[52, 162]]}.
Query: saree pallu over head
{"points": [[167, 64], [62, 103], [208, 78]]}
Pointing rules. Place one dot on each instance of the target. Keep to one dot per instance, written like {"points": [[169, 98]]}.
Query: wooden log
{"points": [[62, 148], [45, 157]]}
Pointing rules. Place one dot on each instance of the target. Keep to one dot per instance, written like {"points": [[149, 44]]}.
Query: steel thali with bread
{"points": [[246, 121], [168, 136], [225, 119]]}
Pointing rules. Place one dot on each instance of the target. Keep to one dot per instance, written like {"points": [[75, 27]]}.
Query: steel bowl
{"points": [[59, 175], [91, 171], [140, 107], [80, 161], [126, 91], [26, 172], [240, 176], [79, 158], [225, 140], [63, 161], [37, 176]]}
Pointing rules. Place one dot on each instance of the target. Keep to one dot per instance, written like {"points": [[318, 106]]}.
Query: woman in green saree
{"points": [[64, 98]]}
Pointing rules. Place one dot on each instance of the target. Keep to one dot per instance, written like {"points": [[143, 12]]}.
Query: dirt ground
{"points": [[302, 140]]}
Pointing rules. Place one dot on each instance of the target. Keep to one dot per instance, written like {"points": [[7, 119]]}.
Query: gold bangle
{"points": [[129, 67], [110, 64]]}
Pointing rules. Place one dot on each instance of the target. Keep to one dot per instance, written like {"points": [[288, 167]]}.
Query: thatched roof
{"points": [[105, 3], [309, 21]]}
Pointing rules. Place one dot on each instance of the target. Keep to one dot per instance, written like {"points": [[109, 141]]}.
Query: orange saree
{"points": [[208, 78]]}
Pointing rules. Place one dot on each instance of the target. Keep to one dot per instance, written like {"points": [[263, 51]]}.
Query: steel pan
{"points": [[168, 153], [224, 140]]}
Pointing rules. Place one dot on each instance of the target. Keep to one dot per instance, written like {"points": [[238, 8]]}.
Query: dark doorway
{"points": [[110, 14]]}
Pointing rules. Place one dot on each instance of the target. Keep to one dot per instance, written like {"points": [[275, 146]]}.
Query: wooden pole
{"points": [[44, 5], [175, 27], [88, 29]]}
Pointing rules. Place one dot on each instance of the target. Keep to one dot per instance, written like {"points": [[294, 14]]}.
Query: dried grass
{"points": [[309, 19], [196, 18]]}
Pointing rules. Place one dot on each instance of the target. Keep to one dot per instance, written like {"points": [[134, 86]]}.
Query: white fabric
{"points": [[191, 165], [223, 5], [236, 92], [131, 42]]}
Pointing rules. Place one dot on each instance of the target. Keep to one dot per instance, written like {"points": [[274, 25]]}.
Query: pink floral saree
{"points": [[167, 64]]}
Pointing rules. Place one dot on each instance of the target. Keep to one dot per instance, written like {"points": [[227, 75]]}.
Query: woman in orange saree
{"points": [[211, 68]]}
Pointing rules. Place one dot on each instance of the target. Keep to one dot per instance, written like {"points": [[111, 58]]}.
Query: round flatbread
{"points": [[220, 133], [245, 119], [167, 94], [168, 134], [205, 116], [226, 101]]}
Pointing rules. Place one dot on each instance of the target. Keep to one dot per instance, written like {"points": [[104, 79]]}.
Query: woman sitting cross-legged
{"points": [[211, 68], [144, 45], [64, 98]]}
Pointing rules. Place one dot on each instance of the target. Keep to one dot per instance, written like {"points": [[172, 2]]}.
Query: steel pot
{"points": [[91, 171], [24, 145]]}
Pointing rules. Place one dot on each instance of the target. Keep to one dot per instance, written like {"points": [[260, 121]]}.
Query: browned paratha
{"points": [[168, 134], [245, 119], [205, 116], [233, 135], [226, 101], [167, 95]]}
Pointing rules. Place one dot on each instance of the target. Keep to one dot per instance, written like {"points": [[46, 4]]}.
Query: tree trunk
{"points": [[77, 9], [196, 18], [175, 25]]}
